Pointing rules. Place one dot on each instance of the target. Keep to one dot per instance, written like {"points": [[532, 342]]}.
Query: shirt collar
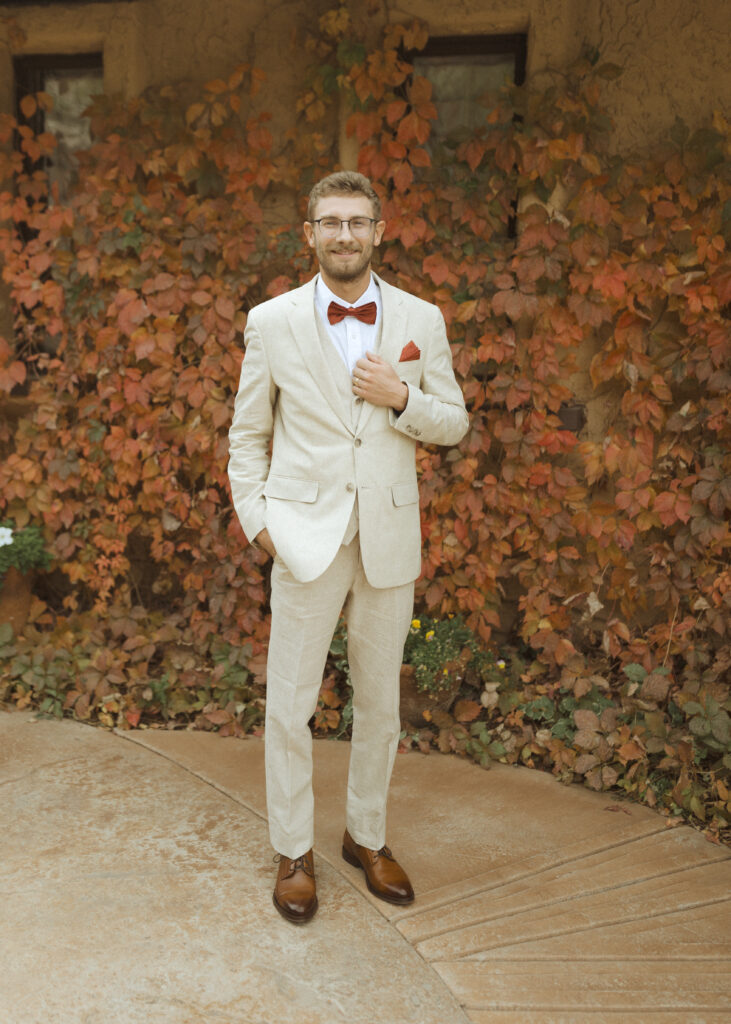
{"points": [[325, 295]]}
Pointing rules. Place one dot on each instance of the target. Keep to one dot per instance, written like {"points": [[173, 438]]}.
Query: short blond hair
{"points": [[343, 183]]}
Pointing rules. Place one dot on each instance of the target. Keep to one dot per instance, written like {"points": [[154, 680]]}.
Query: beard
{"points": [[344, 270]]}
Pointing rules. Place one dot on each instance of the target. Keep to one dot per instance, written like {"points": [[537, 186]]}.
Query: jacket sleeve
{"points": [[250, 434], [435, 412]]}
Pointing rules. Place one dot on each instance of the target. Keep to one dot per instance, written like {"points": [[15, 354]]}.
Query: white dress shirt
{"points": [[350, 337]]}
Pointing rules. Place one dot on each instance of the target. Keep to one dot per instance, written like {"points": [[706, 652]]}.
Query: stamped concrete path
{"points": [[136, 889]]}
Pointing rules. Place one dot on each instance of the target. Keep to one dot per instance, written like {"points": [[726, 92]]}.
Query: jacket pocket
{"points": [[405, 494], [290, 488]]}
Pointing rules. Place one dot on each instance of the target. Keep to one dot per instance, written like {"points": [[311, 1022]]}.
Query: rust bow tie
{"points": [[365, 313]]}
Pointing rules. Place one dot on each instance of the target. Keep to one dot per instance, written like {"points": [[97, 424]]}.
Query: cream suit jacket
{"points": [[320, 461]]}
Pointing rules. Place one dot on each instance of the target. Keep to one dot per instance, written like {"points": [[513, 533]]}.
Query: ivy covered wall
{"points": [[674, 55]]}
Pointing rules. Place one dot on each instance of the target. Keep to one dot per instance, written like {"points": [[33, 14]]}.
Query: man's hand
{"points": [[376, 381], [265, 541]]}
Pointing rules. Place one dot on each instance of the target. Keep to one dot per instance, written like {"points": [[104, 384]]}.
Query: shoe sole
{"points": [[399, 901], [295, 918]]}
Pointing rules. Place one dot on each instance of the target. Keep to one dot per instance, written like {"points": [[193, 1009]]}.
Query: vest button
{"points": [[350, 487], [358, 442]]}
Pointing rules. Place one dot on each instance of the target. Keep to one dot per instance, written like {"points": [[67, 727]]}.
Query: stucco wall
{"points": [[676, 58]]}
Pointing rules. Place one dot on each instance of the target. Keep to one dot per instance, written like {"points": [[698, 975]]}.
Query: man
{"points": [[340, 376]]}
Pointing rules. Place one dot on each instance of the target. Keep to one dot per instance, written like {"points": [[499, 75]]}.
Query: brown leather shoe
{"points": [[385, 878], [294, 894]]}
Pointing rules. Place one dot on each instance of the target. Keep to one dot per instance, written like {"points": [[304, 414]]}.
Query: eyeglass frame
{"points": [[373, 220]]}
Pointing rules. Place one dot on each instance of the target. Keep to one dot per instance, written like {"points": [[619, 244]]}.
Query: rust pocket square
{"points": [[409, 352]]}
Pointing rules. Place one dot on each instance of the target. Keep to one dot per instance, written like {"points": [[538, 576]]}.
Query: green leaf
{"points": [[564, 730], [634, 672], [721, 727], [692, 707], [543, 709], [350, 53]]}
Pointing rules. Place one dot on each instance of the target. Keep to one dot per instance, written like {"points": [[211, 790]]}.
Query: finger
{"points": [[373, 357]]}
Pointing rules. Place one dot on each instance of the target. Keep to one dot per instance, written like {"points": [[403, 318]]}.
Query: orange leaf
{"points": [[28, 106], [225, 307], [630, 751], [395, 110], [402, 176], [436, 267], [218, 717], [467, 710]]}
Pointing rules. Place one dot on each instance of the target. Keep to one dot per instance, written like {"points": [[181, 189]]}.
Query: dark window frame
{"points": [[29, 74], [29, 77], [29, 71], [478, 46], [484, 44]]}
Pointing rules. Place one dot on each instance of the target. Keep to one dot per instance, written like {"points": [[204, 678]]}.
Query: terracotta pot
{"points": [[415, 702], [15, 598]]}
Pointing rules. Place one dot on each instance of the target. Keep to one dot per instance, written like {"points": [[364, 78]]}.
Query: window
{"points": [[463, 70], [72, 80]]}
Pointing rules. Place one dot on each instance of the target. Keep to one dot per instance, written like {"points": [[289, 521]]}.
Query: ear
{"points": [[378, 234], [309, 234]]}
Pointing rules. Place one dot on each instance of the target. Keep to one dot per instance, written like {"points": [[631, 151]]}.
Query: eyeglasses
{"points": [[331, 226]]}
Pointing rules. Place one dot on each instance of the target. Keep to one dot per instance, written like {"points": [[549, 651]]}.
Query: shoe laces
{"points": [[296, 864], [383, 852]]}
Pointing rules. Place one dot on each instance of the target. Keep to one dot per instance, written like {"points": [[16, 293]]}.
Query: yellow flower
{"points": [[430, 634], [500, 664], [416, 623]]}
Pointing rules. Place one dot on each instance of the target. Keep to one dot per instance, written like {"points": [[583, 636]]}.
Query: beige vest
{"points": [[345, 387]]}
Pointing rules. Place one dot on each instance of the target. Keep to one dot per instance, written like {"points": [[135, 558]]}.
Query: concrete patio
{"points": [[137, 877]]}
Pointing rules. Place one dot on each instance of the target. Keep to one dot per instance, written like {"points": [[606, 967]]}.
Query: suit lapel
{"points": [[301, 319], [393, 334]]}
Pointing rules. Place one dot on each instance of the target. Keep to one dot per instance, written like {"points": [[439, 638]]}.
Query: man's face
{"points": [[343, 257]]}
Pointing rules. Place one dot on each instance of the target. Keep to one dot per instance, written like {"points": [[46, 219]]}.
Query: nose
{"points": [[344, 231]]}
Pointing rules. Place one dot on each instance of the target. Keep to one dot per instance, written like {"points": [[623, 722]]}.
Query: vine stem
{"points": [[672, 626]]}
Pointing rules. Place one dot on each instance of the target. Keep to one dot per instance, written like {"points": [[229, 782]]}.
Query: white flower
{"points": [[6, 536]]}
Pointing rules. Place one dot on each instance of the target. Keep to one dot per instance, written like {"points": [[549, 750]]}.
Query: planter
{"points": [[15, 598], [415, 702]]}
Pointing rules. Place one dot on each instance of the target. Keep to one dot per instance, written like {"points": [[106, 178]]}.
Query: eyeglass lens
{"points": [[358, 225]]}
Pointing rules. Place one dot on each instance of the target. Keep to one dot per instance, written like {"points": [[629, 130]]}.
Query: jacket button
{"points": [[350, 487], [358, 400], [358, 442]]}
